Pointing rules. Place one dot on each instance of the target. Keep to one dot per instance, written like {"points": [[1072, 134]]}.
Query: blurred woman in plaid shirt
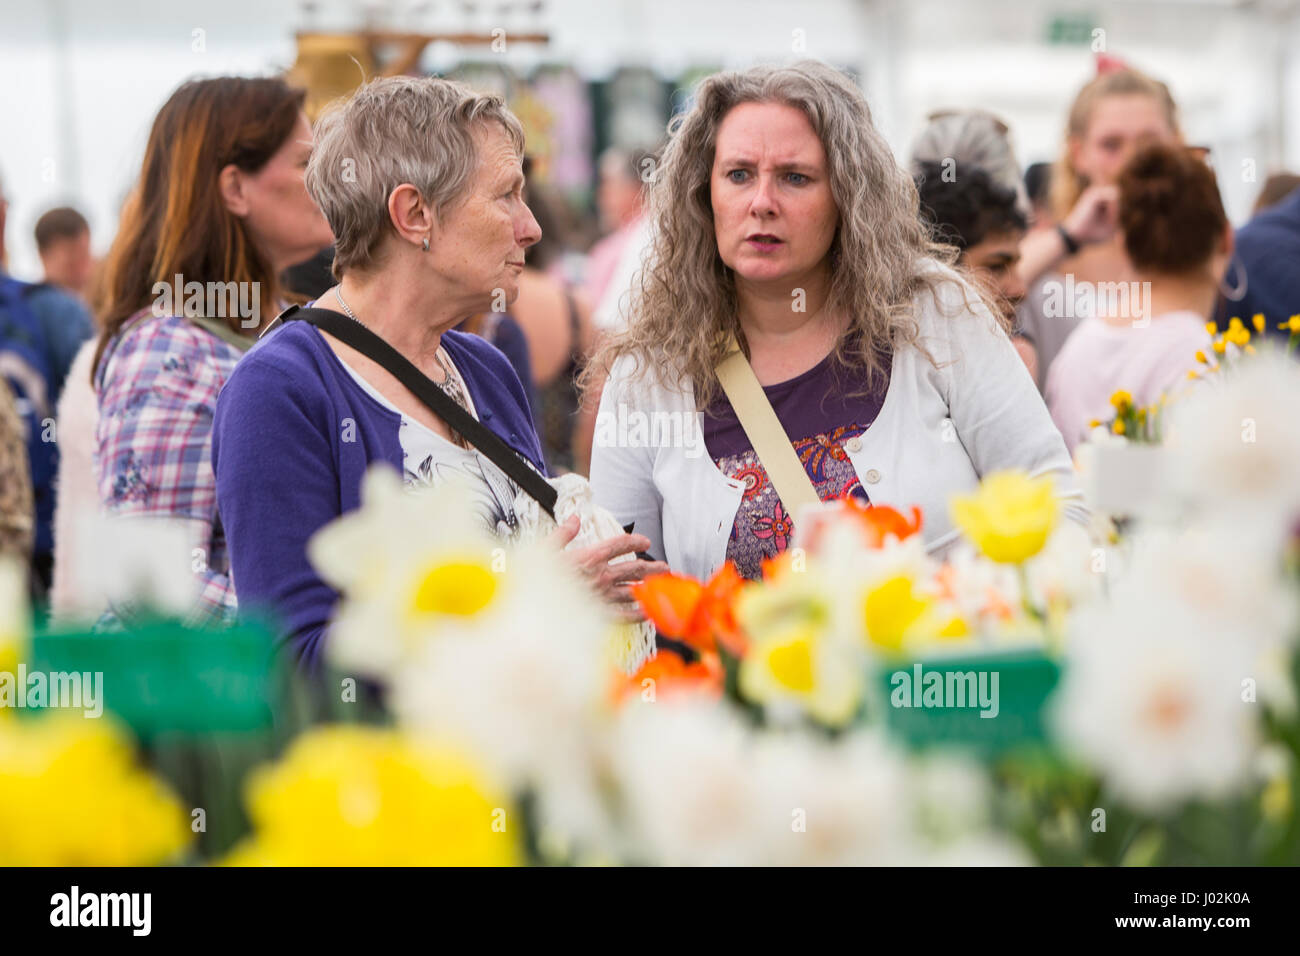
{"points": [[220, 202]]}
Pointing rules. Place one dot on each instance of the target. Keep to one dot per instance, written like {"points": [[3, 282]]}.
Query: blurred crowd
{"points": [[1129, 201]]}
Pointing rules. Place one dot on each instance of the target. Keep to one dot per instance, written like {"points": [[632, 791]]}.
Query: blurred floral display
{"points": [[1039, 692]]}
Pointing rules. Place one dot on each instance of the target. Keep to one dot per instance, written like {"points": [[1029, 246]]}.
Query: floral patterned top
{"points": [[823, 410], [428, 459]]}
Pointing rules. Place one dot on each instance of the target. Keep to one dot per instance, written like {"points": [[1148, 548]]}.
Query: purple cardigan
{"points": [[285, 466]]}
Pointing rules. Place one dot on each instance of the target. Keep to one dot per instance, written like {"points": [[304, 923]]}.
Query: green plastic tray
{"points": [[1025, 682], [162, 678]]}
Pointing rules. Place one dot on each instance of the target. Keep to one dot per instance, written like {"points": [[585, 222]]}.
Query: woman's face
{"points": [[773, 214], [280, 215], [1119, 124], [479, 246]]}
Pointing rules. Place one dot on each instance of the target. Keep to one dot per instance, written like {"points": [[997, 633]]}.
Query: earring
{"points": [[1239, 292], [426, 243]]}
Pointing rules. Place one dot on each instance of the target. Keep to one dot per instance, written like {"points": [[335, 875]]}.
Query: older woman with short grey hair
{"points": [[421, 180]]}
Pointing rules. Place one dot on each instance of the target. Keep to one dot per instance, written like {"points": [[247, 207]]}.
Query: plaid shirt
{"points": [[157, 386]]}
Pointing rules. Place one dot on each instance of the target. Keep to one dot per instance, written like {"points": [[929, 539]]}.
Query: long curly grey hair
{"points": [[881, 257]]}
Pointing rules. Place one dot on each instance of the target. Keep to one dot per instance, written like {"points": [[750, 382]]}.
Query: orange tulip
{"points": [[880, 521], [697, 614], [671, 675], [669, 602]]}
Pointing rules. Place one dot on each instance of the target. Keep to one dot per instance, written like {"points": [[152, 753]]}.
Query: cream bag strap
{"points": [[764, 431]]}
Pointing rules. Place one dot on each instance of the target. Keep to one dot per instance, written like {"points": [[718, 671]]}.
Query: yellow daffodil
{"points": [[369, 796], [1212, 328], [1121, 400], [804, 669], [1200, 357], [1292, 325], [890, 610], [1118, 426], [72, 795], [1258, 321], [459, 588], [896, 613], [1220, 347], [14, 617], [1238, 336], [1009, 517], [1235, 323]]}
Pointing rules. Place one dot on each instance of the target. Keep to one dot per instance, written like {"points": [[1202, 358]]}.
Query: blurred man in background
{"points": [[63, 241], [41, 329]]}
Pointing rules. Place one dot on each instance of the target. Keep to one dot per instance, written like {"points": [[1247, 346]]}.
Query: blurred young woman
{"points": [[220, 200], [784, 221], [1178, 239], [1110, 118]]}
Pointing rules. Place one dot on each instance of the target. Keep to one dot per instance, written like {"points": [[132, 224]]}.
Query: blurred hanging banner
{"points": [[1070, 29], [330, 65]]}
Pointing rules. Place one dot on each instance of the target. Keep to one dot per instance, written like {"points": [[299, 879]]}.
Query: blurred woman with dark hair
{"points": [[219, 212], [1179, 241]]}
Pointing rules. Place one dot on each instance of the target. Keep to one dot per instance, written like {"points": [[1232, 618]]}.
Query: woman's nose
{"points": [[527, 231], [764, 201]]}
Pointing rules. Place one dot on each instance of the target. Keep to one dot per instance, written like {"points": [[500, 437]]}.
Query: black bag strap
{"points": [[486, 441]]}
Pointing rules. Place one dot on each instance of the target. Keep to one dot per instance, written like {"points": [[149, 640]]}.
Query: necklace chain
{"points": [[450, 386]]}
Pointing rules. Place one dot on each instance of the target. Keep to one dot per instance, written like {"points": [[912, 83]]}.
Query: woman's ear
{"points": [[231, 183], [1227, 242], [410, 214]]}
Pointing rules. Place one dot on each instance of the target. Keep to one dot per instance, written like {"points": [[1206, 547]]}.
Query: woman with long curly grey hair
{"points": [[783, 220]]}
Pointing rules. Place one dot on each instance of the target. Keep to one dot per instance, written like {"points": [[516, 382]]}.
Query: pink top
{"points": [[1099, 359], [603, 259]]}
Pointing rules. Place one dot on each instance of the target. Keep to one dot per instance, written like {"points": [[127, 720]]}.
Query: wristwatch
{"points": [[1072, 245]]}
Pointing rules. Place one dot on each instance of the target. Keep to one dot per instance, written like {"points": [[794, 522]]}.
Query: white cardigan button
{"points": [[854, 444], [872, 476]]}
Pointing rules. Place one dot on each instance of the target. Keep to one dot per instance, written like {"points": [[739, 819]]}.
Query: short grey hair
{"points": [[975, 138], [395, 130]]}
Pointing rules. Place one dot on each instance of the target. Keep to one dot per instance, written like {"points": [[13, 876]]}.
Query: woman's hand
{"points": [[1095, 216], [610, 581]]}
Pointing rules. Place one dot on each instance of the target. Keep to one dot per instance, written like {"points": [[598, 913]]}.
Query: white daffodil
{"points": [[410, 564], [130, 562], [1155, 698], [1068, 571], [1220, 576], [683, 772], [823, 803], [523, 687], [1235, 448]]}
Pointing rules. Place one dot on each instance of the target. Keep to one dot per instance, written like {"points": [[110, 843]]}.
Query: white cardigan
{"points": [[941, 427]]}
